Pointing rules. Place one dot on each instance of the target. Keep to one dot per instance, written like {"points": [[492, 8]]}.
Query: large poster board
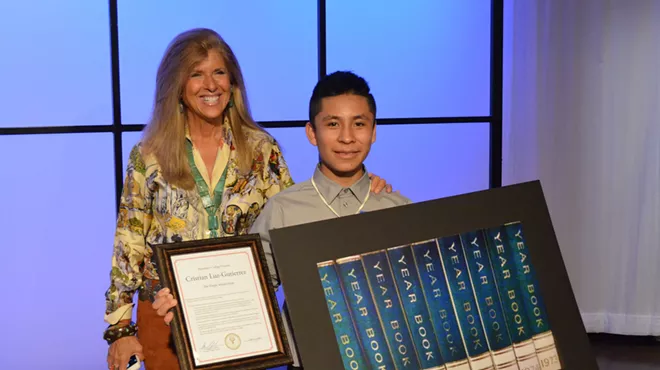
{"points": [[469, 281]]}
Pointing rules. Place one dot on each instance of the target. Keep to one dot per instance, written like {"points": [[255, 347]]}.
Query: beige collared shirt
{"points": [[301, 203]]}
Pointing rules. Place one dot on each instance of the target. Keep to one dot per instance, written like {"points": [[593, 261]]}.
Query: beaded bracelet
{"points": [[113, 333]]}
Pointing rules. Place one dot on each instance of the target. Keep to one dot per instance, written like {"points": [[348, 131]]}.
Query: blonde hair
{"points": [[164, 136]]}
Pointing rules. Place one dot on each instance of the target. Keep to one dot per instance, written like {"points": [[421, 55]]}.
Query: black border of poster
{"points": [[298, 249]]}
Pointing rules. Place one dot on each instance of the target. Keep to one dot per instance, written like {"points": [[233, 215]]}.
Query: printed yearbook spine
{"points": [[462, 294], [363, 310], [388, 305], [544, 341], [488, 301], [504, 269], [345, 332], [419, 320], [438, 301]]}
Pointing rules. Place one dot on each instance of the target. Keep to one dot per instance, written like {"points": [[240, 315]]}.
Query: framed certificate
{"points": [[227, 316]]}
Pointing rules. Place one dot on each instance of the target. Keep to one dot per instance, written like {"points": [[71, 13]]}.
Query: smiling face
{"points": [[343, 131], [208, 89]]}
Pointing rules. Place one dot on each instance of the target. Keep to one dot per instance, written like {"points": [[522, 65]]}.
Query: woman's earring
{"points": [[180, 107], [231, 96]]}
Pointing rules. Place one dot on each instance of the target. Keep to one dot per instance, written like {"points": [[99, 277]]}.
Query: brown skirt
{"points": [[156, 339]]}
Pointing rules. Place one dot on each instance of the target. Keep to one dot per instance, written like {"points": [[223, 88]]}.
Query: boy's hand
{"points": [[163, 303]]}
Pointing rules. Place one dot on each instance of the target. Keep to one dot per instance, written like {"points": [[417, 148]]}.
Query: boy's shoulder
{"points": [[292, 192], [301, 191], [391, 199]]}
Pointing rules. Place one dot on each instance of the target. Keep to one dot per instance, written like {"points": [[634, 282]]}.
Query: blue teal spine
{"points": [[526, 276], [533, 298], [462, 294], [485, 289], [436, 292], [419, 320], [345, 333], [363, 310], [388, 304], [503, 261], [502, 258]]}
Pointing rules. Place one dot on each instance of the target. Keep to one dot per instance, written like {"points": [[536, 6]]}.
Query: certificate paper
{"points": [[223, 305]]}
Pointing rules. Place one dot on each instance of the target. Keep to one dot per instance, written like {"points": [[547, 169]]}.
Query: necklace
{"points": [[211, 204], [332, 209]]}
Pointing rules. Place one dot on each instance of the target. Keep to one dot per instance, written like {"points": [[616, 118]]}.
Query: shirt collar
{"points": [[330, 189]]}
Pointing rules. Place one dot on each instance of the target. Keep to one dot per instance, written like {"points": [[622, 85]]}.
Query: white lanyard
{"points": [[332, 209]]}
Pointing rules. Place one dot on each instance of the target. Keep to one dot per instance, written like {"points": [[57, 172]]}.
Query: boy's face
{"points": [[343, 132]]}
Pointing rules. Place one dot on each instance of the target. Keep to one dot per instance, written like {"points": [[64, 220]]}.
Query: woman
{"points": [[201, 146]]}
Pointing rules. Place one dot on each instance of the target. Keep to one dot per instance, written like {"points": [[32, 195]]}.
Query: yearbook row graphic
{"points": [[466, 301]]}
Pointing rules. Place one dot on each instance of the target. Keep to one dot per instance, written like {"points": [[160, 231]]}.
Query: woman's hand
{"points": [[163, 303], [121, 350], [378, 184]]}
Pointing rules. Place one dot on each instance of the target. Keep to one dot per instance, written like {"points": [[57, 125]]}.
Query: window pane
{"points": [[275, 43], [59, 217], [423, 161], [423, 58], [55, 65]]}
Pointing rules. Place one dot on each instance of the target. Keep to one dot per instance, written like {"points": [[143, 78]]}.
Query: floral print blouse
{"points": [[152, 211]]}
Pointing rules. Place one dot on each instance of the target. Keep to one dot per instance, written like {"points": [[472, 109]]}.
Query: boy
{"points": [[342, 125]]}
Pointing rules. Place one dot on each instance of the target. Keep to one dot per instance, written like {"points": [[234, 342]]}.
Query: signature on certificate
{"points": [[209, 346]]}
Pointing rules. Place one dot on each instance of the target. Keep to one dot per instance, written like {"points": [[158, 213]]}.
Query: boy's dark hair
{"points": [[340, 83]]}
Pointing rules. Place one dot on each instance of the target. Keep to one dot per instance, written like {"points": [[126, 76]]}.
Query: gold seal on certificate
{"points": [[232, 341], [227, 316]]}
